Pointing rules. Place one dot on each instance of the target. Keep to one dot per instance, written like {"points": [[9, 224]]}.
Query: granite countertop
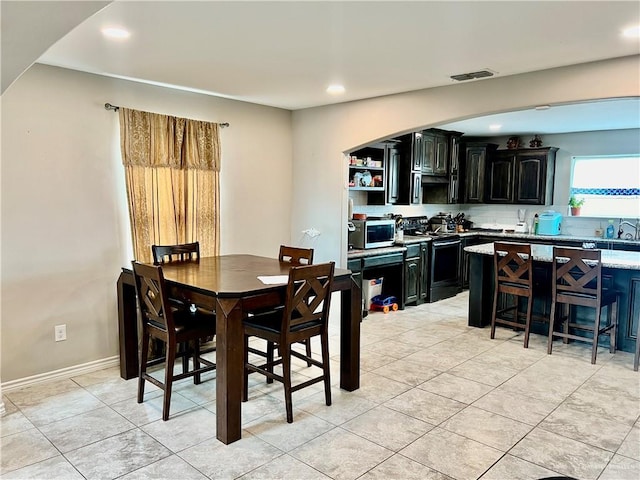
{"points": [[544, 253], [400, 245], [372, 252], [531, 236]]}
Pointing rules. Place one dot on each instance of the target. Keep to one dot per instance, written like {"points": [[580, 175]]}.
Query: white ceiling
{"points": [[285, 54]]}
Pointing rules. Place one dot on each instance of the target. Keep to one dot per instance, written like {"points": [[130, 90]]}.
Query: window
{"points": [[609, 185]]}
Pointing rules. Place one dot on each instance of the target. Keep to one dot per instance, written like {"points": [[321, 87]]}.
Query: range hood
{"points": [[435, 180]]}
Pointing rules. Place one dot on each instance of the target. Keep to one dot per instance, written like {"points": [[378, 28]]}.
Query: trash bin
{"points": [[370, 288]]}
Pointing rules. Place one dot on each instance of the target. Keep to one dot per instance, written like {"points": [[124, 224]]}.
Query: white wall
{"points": [[65, 232], [64, 226], [321, 135]]}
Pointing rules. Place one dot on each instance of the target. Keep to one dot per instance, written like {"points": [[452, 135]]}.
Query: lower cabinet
{"points": [[412, 266], [416, 273]]}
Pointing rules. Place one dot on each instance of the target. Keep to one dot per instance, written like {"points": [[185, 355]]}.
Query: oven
{"points": [[444, 267]]}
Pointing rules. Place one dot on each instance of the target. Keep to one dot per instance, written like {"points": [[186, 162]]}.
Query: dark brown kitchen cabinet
{"points": [[436, 152], [376, 172], [410, 155], [416, 273], [535, 170], [417, 151], [501, 178], [475, 162], [523, 176], [416, 188], [423, 293], [412, 267], [455, 173], [393, 175]]}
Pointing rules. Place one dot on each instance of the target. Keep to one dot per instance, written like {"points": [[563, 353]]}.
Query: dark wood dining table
{"points": [[229, 285]]}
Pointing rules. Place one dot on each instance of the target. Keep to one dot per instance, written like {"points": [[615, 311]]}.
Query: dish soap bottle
{"points": [[610, 230], [536, 221]]}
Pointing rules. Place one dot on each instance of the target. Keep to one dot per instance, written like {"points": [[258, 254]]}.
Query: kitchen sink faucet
{"points": [[636, 227]]}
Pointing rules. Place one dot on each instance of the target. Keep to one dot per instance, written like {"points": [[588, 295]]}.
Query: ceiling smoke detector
{"points": [[470, 76]]}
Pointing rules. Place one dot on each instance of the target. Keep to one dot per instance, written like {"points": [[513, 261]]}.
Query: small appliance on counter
{"points": [[549, 223], [372, 232], [521, 226], [442, 223]]}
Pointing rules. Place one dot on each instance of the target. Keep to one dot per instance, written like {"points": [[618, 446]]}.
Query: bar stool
{"points": [[513, 276], [577, 281]]}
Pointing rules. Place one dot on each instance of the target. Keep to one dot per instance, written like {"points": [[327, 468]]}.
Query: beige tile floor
{"points": [[438, 400]]}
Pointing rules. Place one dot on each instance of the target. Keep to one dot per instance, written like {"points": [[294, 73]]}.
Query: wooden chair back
{"points": [[175, 253], [577, 276], [152, 299], [513, 264], [308, 296], [296, 255]]}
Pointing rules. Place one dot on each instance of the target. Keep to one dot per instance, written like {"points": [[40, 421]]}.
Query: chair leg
{"points": [[565, 322], [307, 344], [613, 321], [196, 361], [168, 378], [285, 352], [324, 339], [552, 321], [184, 348], [270, 350], [494, 313], [527, 325], [142, 367], [596, 334]]}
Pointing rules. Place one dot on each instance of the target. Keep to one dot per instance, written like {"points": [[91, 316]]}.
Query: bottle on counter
{"points": [[536, 221], [611, 231]]}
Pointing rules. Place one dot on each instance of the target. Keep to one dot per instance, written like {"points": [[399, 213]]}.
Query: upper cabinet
{"points": [[436, 152], [437, 166], [367, 168], [475, 165], [523, 176]]}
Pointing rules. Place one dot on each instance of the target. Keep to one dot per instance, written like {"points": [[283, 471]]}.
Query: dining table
{"points": [[230, 285]]}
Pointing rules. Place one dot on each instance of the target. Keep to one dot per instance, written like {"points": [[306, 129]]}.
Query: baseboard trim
{"points": [[61, 373]]}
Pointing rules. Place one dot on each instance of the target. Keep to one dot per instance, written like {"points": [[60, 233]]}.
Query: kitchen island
{"points": [[620, 271]]}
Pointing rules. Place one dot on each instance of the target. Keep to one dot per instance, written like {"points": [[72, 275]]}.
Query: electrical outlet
{"points": [[60, 332]]}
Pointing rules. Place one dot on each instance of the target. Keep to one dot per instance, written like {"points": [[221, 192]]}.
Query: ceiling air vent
{"points": [[470, 76]]}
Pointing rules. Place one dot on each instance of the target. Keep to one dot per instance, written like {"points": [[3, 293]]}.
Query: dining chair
{"points": [[295, 256], [182, 252], [172, 326], [577, 281], [513, 277], [175, 253], [305, 315], [298, 256]]}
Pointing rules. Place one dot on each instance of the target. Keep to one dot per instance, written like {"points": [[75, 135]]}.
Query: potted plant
{"points": [[575, 205]]}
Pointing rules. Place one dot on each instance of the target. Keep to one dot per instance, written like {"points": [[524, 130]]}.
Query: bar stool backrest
{"points": [[513, 263], [577, 276]]}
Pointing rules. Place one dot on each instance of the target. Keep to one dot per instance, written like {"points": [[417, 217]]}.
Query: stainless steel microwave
{"points": [[373, 233]]}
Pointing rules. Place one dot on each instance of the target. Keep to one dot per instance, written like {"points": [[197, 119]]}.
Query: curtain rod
{"points": [[115, 108]]}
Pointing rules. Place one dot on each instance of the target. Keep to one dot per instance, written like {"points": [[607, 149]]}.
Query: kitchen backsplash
{"points": [[500, 216]]}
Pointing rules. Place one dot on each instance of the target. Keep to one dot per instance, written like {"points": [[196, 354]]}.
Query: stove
{"points": [[415, 225]]}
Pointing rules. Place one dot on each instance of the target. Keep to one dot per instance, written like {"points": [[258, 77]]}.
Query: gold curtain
{"points": [[172, 176]]}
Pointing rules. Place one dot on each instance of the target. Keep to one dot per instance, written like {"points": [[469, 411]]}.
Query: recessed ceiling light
{"points": [[632, 32], [543, 107], [335, 89], [495, 127], [116, 32]]}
